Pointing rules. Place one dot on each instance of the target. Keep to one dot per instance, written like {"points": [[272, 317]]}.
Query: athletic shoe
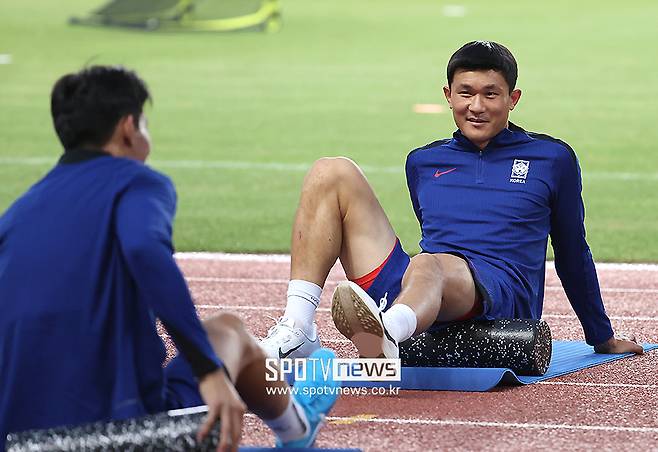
{"points": [[285, 340], [316, 395], [359, 319]]}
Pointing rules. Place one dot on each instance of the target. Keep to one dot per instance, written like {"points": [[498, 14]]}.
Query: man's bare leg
{"points": [[438, 287], [434, 287], [244, 362], [338, 216]]}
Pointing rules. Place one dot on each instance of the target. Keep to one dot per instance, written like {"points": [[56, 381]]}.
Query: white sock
{"points": [[400, 322], [291, 424], [303, 299]]}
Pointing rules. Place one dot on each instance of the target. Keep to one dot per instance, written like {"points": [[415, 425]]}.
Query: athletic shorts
{"points": [[182, 387], [385, 282]]}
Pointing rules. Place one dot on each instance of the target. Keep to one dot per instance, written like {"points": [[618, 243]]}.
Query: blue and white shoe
{"points": [[286, 340], [316, 396]]}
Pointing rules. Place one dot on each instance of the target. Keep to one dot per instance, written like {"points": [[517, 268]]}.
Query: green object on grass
{"points": [[191, 15]]}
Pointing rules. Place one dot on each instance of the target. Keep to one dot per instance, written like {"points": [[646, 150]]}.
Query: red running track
{"points": [[610, 407]]}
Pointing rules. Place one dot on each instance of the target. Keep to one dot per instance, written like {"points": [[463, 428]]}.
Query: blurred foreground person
{"points": [[86, 267]]}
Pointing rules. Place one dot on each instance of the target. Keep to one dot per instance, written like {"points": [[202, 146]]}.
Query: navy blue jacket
{"points": [[86, 266], [498, 206]]}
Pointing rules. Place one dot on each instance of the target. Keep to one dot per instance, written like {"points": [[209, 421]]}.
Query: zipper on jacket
{"points": [[479, 177]]}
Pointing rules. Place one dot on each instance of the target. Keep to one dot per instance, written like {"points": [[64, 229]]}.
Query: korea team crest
{"points": [[520, 170]]}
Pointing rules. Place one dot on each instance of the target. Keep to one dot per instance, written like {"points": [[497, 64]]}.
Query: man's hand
{"points": [[622, 344], [224, 404]]}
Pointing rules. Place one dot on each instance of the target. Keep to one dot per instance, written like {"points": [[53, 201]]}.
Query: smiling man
{"points": [[487, 200]]}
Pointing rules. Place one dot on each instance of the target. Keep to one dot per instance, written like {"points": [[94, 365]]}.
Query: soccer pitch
{"points": [[237, 118]]}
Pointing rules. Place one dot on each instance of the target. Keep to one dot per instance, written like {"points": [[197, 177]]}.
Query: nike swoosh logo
{"points": [[441, 173], [283, 354]]}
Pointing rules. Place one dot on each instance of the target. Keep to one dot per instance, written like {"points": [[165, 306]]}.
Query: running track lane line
{"points": [[239, 307], [597, 385], [285, 258], [510, 425], [285, 281]]}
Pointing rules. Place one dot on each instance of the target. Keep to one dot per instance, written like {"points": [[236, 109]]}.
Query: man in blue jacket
{"points": [[86, 267], [487, 200]]}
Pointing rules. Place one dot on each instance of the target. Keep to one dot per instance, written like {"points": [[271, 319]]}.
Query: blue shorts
{"points": [[489, 281], [182, 387]]}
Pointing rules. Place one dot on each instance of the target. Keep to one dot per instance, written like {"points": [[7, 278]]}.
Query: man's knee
{"points": [[225, 325], [428, 265], [330, 173]]}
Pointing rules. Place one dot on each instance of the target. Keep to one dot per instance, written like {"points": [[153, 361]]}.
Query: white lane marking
{"points": [[230, 257], [236, 280], [227, 280], [300, 167], [611, 317], [5, 58], [616, 266], [597, 385], [613, 289], [239, 307], [512, 425]]}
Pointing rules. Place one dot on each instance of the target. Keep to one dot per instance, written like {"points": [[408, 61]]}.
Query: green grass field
{"points": [[237, 117]]}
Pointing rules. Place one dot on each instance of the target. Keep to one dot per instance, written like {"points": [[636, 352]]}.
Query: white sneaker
{"points": [[285, 340], [359, 319]]}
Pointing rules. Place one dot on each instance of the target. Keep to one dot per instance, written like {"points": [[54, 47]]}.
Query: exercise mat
{"points": [[567, 357]]}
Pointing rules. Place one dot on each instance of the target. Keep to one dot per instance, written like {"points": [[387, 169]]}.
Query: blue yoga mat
{"points": [[284, 449], [568, 357]]}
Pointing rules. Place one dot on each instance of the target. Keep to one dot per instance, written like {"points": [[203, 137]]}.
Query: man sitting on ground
{"points": [[86, 267], [487, 200]]}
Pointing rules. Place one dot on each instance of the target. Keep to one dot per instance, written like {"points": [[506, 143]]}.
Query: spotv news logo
{"points": [[339, 369]]}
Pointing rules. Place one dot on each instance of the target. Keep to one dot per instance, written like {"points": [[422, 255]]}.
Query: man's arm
{"points": [[143, 223], [412, 184], [573, 260]]}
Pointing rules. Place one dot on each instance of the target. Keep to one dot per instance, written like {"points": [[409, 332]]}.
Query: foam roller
{"points": [[172, 431], [523, 346]]}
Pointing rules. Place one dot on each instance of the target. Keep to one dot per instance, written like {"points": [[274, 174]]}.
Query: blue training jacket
{"points": [[86, 266], [497, 208]]}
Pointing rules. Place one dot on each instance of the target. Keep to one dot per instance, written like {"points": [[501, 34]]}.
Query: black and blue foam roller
{"points": [[523, 346], [173, 431]]}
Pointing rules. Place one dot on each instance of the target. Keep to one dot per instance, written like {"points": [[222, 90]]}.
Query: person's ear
{"points": [[128, 129], [515, 95], [446, 93]]}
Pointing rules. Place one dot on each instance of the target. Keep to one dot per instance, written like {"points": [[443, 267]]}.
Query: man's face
{"points": [[142, 143], [137, 139], [480, 101]]}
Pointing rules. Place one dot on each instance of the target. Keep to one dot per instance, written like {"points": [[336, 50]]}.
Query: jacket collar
{"points": [[509, 136], [81, 155]]}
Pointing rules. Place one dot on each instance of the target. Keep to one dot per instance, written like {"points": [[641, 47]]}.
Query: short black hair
{"points": [[87, 105], [483, 55]]}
